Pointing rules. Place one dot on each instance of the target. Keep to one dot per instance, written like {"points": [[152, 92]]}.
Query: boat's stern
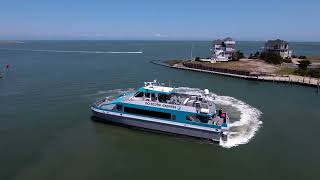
{"points": [[222, 121]]}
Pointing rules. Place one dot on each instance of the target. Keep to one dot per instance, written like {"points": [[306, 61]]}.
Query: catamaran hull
{"points": [[168, 128]]}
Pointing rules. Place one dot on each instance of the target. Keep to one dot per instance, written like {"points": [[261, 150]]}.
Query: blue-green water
{"points": [[46, 131]]}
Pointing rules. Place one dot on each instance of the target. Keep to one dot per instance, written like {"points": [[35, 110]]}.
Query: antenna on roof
{"points": [[191, 52]]}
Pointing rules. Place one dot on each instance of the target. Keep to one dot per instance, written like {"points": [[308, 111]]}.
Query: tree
{"points": [[303, 65]]}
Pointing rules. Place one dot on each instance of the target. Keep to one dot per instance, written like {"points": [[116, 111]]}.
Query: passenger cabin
{"points": [[191, 109]]}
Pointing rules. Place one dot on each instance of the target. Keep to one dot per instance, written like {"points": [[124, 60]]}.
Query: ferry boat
{"points": [[161, 108]]}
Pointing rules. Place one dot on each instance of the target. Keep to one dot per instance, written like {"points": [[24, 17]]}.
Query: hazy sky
{"points": [[295, 20]]}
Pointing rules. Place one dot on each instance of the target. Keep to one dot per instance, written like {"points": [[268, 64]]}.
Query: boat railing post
{"points": [[318, 85]]}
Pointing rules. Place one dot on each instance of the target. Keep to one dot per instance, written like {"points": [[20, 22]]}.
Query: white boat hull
{"points": [[163, 127]]}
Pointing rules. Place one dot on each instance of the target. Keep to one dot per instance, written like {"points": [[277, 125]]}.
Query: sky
{"points": [[293, 20]]}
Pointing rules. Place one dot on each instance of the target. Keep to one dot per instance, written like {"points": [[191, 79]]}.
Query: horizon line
{"points": [[21, 40]]}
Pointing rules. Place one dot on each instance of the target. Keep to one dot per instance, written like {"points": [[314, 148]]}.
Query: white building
{"points": [[222, 50]]}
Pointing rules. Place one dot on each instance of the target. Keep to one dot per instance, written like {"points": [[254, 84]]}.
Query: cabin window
{"points": [[139, 94], [163, 98], [153, 97], [196, 118], [119, 107], [173, 117], [189, 118], [203, 119], [147, 95], [155, 114]]}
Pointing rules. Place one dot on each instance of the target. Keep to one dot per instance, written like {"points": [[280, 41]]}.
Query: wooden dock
{"points": [[306, 81]]}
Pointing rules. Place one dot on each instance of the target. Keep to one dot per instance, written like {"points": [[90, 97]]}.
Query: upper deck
{"points": [[154, 92]]}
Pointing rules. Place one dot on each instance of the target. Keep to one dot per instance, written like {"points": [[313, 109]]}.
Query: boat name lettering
{"points": [[161, 105]]}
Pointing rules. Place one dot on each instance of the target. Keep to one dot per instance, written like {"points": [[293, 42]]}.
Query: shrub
{"points": [[303, 65], [237, 56], [302, 57], [257, 54], [287, 60], [301, 72], [294, 56], [308, 72], [314, 73], [271, 57]]}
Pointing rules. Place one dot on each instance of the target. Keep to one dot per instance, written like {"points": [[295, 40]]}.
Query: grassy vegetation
{"points": [[285, 71], [303, 70], [226, 65], [308, 72]]}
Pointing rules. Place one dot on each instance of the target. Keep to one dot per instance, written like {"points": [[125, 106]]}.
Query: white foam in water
{"points": [[242, 130], [66, 51], [111, 93]]}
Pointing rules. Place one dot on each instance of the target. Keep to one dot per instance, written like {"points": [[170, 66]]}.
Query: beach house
{"points": [[278, 46], [222, 50]]}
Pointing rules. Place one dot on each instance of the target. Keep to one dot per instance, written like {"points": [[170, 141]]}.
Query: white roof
{"points": [[159, 88]]}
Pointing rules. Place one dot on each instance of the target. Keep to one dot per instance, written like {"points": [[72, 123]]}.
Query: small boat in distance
{"points": [[157, 107]]}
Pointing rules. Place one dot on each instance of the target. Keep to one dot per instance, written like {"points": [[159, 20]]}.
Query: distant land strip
{"points": [[74, 51]]}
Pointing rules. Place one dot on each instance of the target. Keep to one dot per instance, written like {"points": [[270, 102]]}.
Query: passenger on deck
{"points": [[220, 112]]}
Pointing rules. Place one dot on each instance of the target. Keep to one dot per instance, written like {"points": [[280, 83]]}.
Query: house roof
{"points": [[157, 89], [228, 39], [276, 42], [218, 41]]}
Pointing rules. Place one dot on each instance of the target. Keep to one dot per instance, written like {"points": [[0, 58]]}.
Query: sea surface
{"points": [[46, 130]]}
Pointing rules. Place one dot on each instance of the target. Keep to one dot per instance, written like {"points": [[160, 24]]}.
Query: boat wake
{"points": [[110, 93], [244, 119], [66, 51]]}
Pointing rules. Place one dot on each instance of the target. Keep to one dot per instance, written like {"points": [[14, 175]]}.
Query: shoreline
{"points": [[289, 79]]}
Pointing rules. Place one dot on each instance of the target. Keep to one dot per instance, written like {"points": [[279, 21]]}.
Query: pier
{"points": [[275, 78]]}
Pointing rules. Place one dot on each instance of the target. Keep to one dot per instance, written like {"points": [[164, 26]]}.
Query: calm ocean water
{"points": [[46, 131]]}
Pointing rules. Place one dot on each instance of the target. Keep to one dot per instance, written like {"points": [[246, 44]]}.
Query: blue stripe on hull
{"points": [[159, 127]]}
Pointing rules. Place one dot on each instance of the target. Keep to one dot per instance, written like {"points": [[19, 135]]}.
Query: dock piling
{"points": [[289, 80], [318, 85], [309, 80]]}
